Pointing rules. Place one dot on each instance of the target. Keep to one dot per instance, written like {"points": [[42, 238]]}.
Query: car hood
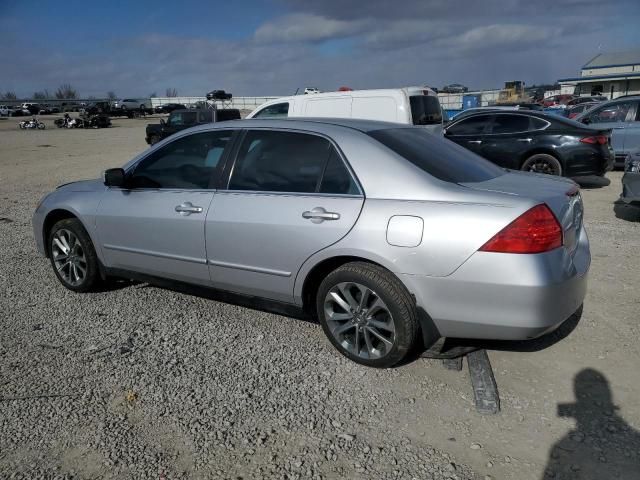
{"points": [[93, 185]]}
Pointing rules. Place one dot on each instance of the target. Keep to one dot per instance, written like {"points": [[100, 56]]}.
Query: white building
{"points": [[609, 74]]}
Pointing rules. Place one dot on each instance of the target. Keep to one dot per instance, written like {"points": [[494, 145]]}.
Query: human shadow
{"points": [[601, 445]]}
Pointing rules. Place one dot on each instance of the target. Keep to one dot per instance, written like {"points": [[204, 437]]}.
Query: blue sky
{"points": [[273, 47]]}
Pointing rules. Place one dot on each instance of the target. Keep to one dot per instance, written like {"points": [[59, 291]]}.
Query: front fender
{"points": [[81, 204]]}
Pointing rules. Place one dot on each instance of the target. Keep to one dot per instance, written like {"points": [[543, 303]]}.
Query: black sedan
{"points": [[535, 142], [169, 107]]}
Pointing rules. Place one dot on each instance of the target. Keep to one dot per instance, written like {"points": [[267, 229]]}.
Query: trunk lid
{"points": [[561, 195]]}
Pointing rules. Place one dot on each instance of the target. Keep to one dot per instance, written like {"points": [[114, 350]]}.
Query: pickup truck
{"points": [[181, 119]]}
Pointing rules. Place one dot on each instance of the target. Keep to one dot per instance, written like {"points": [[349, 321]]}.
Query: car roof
{"points": [[306, 123], [531, 113], [352, 123]]}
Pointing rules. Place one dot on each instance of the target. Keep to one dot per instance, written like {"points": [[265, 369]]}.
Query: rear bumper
{"points": [[506, 296], [594, 162], [630, 187]]}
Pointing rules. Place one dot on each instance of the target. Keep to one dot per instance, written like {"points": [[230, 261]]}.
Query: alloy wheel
{"points": [[359, 320], [543, 166], [69, 257]]}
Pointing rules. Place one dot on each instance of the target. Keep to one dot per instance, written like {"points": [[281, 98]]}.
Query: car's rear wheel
{"points": [[542, 163], [368, 314], [73, 257]]}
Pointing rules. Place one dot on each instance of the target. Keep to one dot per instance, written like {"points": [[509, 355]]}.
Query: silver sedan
{"points": [[390, 236]]}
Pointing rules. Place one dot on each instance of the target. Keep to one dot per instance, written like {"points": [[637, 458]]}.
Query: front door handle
{"points": [[187, 208], [474, 141], [319, 214], [525, 140]]}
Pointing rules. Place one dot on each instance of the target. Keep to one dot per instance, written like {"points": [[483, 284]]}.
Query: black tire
{"points": [[542, 163], [153, 139], [388, 288], [91, 279]]}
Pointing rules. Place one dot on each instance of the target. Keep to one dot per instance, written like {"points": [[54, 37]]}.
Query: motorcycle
{"points": [[68, 122], [33, 123]]}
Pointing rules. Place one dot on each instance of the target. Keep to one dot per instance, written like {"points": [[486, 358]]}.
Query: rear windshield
{"points": [[183, 118], [438, 157], [425, 110]]}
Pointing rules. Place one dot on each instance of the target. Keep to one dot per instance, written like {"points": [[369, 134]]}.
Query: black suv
{"points": [[181, 119]]}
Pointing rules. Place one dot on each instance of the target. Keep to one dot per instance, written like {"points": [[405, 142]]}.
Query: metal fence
{"points": [[242, 103]]}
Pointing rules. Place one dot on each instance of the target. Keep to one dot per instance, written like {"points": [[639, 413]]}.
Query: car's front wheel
{"points": [[73, 257], [368, 314]]}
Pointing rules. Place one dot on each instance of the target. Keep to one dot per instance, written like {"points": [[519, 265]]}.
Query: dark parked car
{"points": [[535, 142], [94, 108], [631, 179], [454, 88], [170, 107], [181, 119]]}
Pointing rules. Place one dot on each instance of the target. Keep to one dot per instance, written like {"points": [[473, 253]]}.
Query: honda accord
{"points": [[391, 236]]}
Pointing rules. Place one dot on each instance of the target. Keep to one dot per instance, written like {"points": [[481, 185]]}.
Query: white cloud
{"points": [[302, 27], [504, 36]]}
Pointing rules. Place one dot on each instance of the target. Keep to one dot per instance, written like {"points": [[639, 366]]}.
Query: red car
{"points": [[556, 100]]}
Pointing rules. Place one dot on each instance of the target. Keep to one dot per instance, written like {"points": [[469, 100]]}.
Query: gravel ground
{"points": [[142, 382]]}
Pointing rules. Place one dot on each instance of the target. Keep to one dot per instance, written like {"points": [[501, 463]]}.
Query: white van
{"points": [[410, 105]]}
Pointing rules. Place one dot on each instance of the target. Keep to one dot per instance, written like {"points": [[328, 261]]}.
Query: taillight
{"points": [[599, 139], [535, 231]]}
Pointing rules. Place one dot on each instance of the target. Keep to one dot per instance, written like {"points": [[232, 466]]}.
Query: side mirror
{"points": [[114, 177]]}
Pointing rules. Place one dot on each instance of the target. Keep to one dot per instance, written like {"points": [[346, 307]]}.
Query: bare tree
{"points": [[171, 92], [42, 95], [66, 91], [111, 95], [9, 96]]}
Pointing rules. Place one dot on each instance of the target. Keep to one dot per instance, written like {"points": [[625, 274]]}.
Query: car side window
{"points": [[336, 178], [506, 123], [469, 126], [274, 111], [277, 161], [611, 113], [192, 161], [537, 123]]}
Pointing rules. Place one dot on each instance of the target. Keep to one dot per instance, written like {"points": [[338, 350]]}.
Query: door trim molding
{"points": [[151, 253], [238, 266]]}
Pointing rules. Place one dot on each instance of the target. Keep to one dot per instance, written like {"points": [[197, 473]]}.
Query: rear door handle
{"points": [[319, 214], [524, 140], [474, 141], [187, 208], [618, 128]]}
